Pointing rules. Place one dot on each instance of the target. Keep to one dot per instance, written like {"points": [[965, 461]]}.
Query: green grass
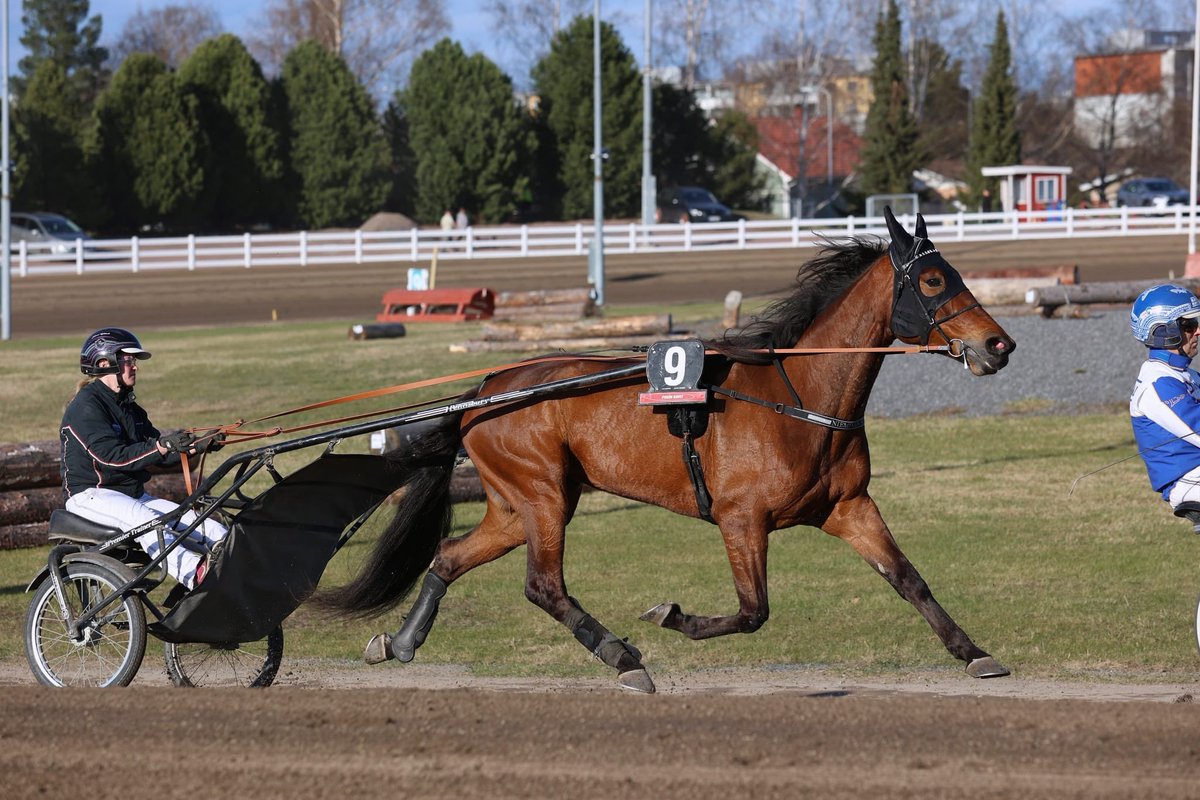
{"points": [[1099, 584]]}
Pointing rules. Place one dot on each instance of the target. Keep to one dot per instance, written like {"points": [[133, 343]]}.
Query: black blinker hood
{"points": [[913, 314]]}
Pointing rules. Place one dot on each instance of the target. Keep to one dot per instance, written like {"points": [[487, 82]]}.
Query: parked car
{"points": [[692, 204], [42, 228], [1155, 192]]}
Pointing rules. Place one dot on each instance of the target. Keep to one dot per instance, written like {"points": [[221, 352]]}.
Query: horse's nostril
{"points": [[1000, 345]]}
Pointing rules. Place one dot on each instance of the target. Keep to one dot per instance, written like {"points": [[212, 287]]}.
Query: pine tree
{"points": [[339, 158], [61, 32], [995, 140], [890, 148], [473, 144], [564, 84], [107, 144], [50, 173], [171, 156], [235, 107]]}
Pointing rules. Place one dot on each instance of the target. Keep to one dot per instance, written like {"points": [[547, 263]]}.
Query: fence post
{"points": [[850, 225], [414, 247], [246, 255], [1069, 216], [524, 240], [1016, 224], [23, 257], [687, 236], [358, 245], [741, 234], [578, 238], [134, 253], [470, 242], [960, 224], [304, 248], [191, 251], [1124, 220], [795, 232], [633, 237]]}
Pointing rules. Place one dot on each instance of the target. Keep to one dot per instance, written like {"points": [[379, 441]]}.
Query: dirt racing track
{"points": [[437, 731]]}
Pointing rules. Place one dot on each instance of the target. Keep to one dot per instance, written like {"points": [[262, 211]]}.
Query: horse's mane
{"points": [[818, 282]]}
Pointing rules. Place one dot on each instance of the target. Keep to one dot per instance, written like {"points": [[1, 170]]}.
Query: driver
{"points": [[1165, 405], [108, 444]]}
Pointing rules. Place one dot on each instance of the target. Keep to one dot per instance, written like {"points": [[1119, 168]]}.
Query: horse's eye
{"points": [[934, 282]]}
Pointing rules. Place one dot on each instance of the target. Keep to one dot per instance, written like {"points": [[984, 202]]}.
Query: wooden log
{"points": [[1047, 298], [545, 298], [1004, 291], [733, 310], [27, 466], [31, 534], [559, 312], [639, 325], [1059, 273], [382, 330], [563, 345], [29, 505]]}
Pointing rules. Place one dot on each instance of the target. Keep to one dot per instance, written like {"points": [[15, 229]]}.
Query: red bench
{"points": [[437, 305]]}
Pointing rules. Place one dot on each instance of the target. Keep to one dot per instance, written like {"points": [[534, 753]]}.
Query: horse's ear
{"points": [[900, 237], [920, 229]]}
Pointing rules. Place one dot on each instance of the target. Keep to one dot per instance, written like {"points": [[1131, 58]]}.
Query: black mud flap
{"points": [[276, 550]]}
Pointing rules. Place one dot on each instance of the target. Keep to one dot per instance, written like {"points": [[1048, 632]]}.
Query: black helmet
{"points": [[107, 344]]}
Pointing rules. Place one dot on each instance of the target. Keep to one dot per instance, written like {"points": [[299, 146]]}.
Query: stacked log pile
{"points": [[1006, 287], [562, 320], [31, 488]]}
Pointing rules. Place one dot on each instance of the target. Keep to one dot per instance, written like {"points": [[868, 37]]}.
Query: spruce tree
{"points": [[890, 149], [564, 84], [60, 31], [107, 144], [995, 140], [50, 174], [472, 142], [235, 108], [171, 157], [339, 159]]}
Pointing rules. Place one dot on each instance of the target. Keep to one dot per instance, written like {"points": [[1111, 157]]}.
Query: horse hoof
{"points": [[636, 680], [661, 613], [379, 649], [986, 667]]}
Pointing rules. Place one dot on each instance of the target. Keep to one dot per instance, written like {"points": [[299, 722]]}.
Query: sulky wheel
{"points": [[252, 664], [109, 649]]}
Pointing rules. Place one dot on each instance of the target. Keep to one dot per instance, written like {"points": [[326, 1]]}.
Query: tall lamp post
{"points": [[5, 200], [1192, 270], [649, 190], [596, 267], [829, 133]]}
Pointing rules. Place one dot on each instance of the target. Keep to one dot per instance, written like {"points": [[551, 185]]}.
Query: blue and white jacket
{"points": [[1165, 406]]}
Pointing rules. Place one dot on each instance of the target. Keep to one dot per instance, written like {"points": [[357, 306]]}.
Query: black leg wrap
{"points": [[420, 619], [601, 643]]}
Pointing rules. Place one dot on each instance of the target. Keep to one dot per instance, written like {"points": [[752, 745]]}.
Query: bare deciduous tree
{"points": [[528, 26], [377, 38], [171, 32]]}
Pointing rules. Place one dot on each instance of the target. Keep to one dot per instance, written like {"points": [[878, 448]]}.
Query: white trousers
{"points": [[1186, 488], [122, 511]]}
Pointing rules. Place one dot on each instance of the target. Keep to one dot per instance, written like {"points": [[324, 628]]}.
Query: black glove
{"points": [[180, 442], [208, 444]]}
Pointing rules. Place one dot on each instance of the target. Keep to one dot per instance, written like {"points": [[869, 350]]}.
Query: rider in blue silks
{"points": [[1165, 405]]}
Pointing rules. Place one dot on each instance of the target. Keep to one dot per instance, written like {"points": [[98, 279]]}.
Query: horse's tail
{"points": [[423, 518]]}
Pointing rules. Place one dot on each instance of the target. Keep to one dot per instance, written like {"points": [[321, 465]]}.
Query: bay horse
{"points": [[764, 469]]}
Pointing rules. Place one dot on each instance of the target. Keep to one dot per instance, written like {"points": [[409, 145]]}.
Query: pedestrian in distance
{"points": [[447, 221], [461, 221], [1165, 404], [109, 444]]}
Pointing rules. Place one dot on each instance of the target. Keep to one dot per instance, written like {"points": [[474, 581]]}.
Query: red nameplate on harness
{"points": [[673, 398]]}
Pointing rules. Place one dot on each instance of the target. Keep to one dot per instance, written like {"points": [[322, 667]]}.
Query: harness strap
{"points": [[795, 412]]}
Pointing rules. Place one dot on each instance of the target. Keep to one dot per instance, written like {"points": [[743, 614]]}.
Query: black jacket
{"points": [[108, 441]]}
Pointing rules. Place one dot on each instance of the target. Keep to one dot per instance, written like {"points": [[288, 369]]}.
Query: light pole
{"points": [[597, 253], [649, 190], [829, 133], [5, 200], [1192, 269]]}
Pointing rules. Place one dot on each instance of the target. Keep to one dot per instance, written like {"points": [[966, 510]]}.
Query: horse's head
{"points": [[932, 305]]}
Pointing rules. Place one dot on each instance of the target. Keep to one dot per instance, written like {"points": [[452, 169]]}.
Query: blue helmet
{"points": [[1156, 313]]}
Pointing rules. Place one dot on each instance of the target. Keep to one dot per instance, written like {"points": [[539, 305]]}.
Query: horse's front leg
{"points": [[859, 522], [746, 546]]}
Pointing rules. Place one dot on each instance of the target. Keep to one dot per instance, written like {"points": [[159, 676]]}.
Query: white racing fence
{"points": [[532, 241]]}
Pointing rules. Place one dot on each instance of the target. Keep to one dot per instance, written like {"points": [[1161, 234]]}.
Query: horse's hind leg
{"points": [[498, 533], [545, 522], [858, 522]]}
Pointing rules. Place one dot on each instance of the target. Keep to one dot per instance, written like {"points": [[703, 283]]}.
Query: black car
{"points": [[692, 204], [1159, 192]]}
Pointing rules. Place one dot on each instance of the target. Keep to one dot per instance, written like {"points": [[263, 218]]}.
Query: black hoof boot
{"points": [[420, 619]]}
